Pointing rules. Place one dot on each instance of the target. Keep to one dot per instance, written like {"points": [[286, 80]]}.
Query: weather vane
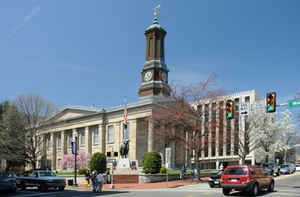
{"points": [[155, 10]]}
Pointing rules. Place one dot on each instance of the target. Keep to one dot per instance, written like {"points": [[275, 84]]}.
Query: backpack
{"points": [[100, 178]]}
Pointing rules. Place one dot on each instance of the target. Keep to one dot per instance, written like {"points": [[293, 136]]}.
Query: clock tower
{"points": [[155, 71]]}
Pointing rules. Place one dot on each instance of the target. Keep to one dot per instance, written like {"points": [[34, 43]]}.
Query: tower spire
{"points": [[155, 14]]}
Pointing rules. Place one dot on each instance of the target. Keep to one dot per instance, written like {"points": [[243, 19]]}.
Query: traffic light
{"points": [[271, 102], [229, 109], [108, 154]]}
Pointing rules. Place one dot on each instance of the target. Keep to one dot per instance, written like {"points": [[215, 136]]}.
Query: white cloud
{"points": [[34, 12]]}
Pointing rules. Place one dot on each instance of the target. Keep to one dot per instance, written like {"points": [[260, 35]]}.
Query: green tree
{"points": [[12, 134], [98, 162], [151, 162]]}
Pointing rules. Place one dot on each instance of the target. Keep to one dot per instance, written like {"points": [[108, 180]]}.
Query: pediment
{"points": [[69, 113]]}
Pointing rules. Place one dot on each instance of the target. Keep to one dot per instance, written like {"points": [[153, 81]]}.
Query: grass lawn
{"points": [[65, 174]]}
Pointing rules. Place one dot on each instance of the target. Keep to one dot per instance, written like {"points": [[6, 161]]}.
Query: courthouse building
{"points": [[102, 130]]}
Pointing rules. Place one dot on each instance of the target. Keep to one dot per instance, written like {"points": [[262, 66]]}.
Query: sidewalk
{"points": [[159, 185]]}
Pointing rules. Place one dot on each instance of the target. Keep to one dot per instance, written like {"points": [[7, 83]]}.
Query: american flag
{"points": [[125, 112]]}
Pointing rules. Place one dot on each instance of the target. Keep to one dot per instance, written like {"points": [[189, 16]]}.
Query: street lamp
{"points": [[74, 150]]}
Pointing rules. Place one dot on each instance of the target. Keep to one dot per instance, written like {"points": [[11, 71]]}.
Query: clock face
{"points": [[164, 76], [148, 76]]}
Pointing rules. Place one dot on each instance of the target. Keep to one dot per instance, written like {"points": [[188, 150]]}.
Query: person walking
{"points": [[94, 181], [100, 181], [87, 177]]}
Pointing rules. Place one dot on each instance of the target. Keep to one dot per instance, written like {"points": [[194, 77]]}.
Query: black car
{"points": [[8, 181], [215, 180]]}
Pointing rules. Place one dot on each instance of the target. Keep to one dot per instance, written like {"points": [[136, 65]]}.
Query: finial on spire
{"points": [[155, 10]]}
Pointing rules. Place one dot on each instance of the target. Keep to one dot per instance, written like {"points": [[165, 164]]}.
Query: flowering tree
{"points": [[178, 120], [68, 160], [260, 134], [287, 132]]}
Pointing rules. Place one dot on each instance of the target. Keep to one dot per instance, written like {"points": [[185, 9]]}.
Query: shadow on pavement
{"points": [[244, 194], [76, 192]]}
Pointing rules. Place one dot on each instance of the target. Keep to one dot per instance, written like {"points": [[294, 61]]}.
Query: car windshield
{"points": [[236, 171], [284, 166], [7, 174], [46, 173], [297, 165]]}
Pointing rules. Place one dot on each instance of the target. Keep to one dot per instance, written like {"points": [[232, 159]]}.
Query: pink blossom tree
{"points": [[83, 159]]}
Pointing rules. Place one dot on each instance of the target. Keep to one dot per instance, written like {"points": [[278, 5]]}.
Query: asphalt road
{"points": [[286, 186]]}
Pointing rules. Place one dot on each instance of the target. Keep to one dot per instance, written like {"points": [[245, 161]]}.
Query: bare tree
{"points": [[35, 110], [178, 120]]}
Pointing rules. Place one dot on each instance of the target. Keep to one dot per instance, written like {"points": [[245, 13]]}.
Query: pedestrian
{"points": [[94, 182], [100, 181], [87, 176], [108, 180]]}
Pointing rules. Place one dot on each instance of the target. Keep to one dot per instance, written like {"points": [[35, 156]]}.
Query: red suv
{"points": [[246, 178]]}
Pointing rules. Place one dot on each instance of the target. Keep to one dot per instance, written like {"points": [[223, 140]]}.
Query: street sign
{"points": [[294, 103], [73, 147], [244, 108]]}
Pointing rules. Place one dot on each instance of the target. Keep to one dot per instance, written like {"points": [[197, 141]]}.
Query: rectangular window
{"points": [[82, 137], [110, 134], [95, 133], [58, 141], [206, 130], [213, 132], [221, 126], [126, 132], [236, 126], [247, 99], [48, 142], [150, 47], [70, 138]]}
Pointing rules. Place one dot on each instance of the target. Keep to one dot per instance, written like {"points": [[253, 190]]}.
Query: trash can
{"points": [[70, 182]]}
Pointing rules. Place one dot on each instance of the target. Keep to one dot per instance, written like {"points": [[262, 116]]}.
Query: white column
{"points": [[102, 137], [150, 136], [53, 150], [88, 140], [132, 139]]}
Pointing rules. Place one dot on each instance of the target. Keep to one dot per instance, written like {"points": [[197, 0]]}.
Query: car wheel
{"points": [[211, 185], [61, 188], [226, 192], [255, 190], [271, 187], [43, 188], [23, 187]]}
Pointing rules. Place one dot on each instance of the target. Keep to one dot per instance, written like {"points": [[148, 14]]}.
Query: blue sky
{"points": [[83, 53]]}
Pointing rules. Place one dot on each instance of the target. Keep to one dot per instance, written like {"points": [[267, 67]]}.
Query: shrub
{"points": [[98, 162], [151, 162], [163, 170], [82, 171]]}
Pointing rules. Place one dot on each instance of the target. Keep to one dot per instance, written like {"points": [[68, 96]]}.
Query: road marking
{"points": [[37, 194]]}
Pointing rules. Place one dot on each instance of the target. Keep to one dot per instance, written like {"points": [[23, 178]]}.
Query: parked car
{"points": [[298, 167], [8, 181], [285, 169], [246, 178], [292, 167], [215, 180], [272, 168], [43, 179]]}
